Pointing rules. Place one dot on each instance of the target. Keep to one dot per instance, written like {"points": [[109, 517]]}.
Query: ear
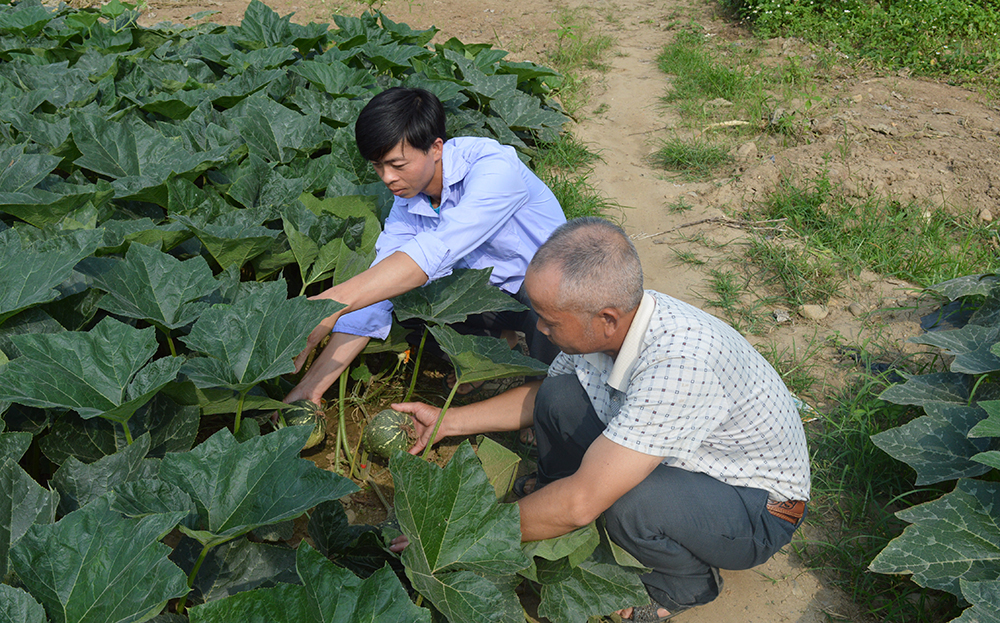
{"points": [[437, 148], [610, 321]]}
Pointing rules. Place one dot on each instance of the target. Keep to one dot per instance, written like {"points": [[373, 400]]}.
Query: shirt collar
{"points": [[633, 345]]}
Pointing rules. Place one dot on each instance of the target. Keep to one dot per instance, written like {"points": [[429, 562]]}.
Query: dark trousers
{"points": [[493, 324], [683, 525]]}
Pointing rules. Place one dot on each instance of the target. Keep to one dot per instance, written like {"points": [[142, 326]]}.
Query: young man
{"points": [[656, 414], [463, 203]]}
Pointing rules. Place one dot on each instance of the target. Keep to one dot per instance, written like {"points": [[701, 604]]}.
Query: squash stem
{"points": [[170, 343], [342, 400], [128, 433], [444, 409], [416, 366], [239, 412], [194, 572]]}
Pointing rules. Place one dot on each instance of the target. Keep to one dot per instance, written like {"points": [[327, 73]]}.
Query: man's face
{"points": [[575, 333], [406, 170]]}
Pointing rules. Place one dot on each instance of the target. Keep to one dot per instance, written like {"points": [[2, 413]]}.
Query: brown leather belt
{"points": [[791, 511]]}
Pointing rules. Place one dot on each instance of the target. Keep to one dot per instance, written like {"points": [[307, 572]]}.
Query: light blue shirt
{"points": [[494, 213]]}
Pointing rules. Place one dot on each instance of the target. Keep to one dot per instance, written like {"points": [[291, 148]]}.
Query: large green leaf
{"points": [[329, 594], [922, 389], [499, 463], [965, 286], [272, 131], [137, 158], [103, 372], [953, 538], [172, 428], [937, 445], [970, 345], [232, 244], [23, 503], [29, 275], [79, 484], [990, 427], [154, 286], [479, 358], [241, 486], [321, 243], [93, 566], [985, 599], [454, 298], [239, 565], [16, 606], [464, 545], [255, 339]]}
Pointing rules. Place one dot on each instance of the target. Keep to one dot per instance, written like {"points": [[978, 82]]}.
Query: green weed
{"points": [[903, 240], [697, 161], [564, 166], [578, 50], [945, 37]]}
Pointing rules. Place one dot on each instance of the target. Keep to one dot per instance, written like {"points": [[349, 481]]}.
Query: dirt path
{"points": [[894, 135]]}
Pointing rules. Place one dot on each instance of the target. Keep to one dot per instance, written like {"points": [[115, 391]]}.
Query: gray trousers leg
{"points": [[683, 525]]}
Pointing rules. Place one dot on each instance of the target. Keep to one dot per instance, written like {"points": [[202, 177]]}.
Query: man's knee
{"points": [[557, 395]]}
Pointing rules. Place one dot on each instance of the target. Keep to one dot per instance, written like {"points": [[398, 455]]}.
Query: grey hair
{"points": [[599, 265]]}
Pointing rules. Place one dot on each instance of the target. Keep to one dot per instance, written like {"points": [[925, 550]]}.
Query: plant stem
{"points": [[239, 412], [342, 401], [976, 386], [191, 576], [128, 433], [416, 365], [170, 343], [444, 409]]}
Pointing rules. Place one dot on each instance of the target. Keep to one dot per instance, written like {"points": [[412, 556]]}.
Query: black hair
{"points": [[397, 114]]}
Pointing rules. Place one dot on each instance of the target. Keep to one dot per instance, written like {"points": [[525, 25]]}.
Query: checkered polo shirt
{"points": [[692, 390]]}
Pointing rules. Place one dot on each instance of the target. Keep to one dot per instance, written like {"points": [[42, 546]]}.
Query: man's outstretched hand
{"points": [[424, 418]]}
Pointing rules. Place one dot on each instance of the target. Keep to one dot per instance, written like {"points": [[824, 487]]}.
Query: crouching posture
{"points": [[656, 414]]}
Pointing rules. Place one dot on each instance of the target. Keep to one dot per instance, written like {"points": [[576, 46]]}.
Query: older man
{"points": [[656, 414]]}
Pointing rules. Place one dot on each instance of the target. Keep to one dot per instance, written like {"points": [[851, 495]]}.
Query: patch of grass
{"points": [[578, 50], [856, 488], [728, 289], [697, 161], [565, 166], [681, 205], [944, 37], [907, 241], [794, 365], [706, 88], [688, 257]]}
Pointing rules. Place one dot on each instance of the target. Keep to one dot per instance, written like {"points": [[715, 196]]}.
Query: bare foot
{"points": [[465, 388]]}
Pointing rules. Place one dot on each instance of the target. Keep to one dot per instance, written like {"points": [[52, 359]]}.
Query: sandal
{"points": [[526, 443], [522, 482], [650, 613]]}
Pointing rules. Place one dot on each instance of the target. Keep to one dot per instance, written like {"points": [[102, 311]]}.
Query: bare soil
{"points": [[880, 135]]}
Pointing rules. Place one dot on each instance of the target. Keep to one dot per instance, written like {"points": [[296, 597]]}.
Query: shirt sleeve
{"points": [[562, 364], [376, 319], [492, 191], [372, 321]]}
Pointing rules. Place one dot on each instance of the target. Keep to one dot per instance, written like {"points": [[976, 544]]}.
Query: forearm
{"points": [[391, 277], [511, 410], [331, 362], [550, 512]]}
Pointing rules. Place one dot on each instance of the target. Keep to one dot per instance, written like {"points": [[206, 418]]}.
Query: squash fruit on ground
{"points": [[306, 413], [387, 431]]}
